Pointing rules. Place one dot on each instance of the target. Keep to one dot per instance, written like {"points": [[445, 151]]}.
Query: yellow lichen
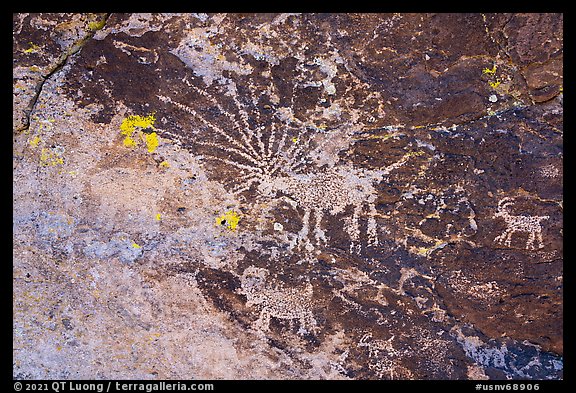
{"points": [[151, 142], [422, 251], [426, 251], [138, 123], [229, 219], [295, 140], [129, 142], [489, 71], [164, 164], [154, 336], [494, 81], [136, 245], [158, 217], [33, 48], [383, 137], [96, 25], [494, 84], [48, 157], [130, 123], [35, 141], [414, 153]]}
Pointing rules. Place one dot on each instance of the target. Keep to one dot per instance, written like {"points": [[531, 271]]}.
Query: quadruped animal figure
{"points": [[526, 224]]}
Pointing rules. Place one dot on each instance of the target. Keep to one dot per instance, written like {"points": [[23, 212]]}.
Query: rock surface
{"points": [[288, 196]]}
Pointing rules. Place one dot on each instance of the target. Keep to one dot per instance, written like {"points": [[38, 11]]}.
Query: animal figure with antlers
{"points": [[276, 158]]}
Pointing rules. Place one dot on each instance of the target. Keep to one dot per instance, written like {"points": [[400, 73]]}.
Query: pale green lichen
{"points": [[426, 251], [97, 25], [32, 49], [34, 141], [49, 157]]}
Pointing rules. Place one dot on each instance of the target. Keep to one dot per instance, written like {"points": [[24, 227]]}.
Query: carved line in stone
{"points": [[281, 169], [532, 225]]}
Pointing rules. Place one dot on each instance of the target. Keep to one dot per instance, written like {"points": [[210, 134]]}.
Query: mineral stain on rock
{"points": [[288, 196]]}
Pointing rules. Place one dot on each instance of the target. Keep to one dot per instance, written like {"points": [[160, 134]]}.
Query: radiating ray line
{"points": [[230, 150], [279, 160], [258, 130], [292, 95], [303, 233], [240, 107], [319, 234], [249, 175], [237, 126], [220, 131], [255, 96], [354, 232], [304, 152], [303, 159], [298, 146], [279, 156], [271, 140], [257, 134], [234, 163], [282, 141], [243, 187]]}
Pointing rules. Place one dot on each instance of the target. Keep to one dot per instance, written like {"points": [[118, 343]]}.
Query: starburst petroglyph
{"points": [[275, 155], [527, 224]]}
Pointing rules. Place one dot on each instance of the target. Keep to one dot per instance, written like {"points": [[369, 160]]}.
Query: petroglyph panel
{"points": [[288, 196]]}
